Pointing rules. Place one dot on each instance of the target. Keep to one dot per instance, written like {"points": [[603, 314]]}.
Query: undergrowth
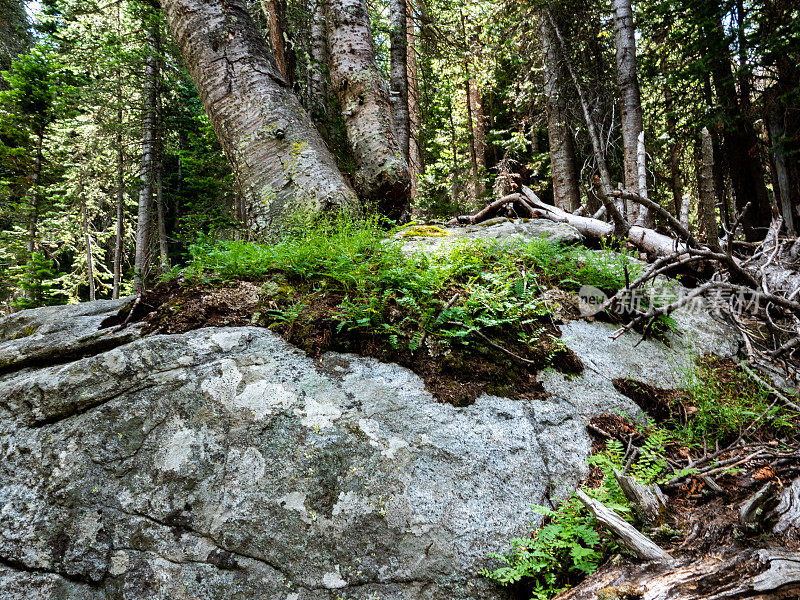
{"points": [[719, 403], [725, 402], [478, 286], [570, 545]]}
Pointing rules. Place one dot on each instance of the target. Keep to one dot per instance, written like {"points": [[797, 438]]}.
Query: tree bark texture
{"points": [[675, 148], [566, 192], [643, 218], [279, 159], [399, 73], [275, 13], [158, 177], [87, 238], [318, 81], [415, 161], [740, 142], [783, 116], [477, 188], [119, 241], [707, 205], [149, 143], [163, 246], [382, 175], [628, 82], [785, 193], [478, 122]]}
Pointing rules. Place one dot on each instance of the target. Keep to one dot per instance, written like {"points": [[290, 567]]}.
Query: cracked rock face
{"points": [[225, 464]]}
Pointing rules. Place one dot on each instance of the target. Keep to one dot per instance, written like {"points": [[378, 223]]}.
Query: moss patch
{"points": [[27, 332], [424, 231]]}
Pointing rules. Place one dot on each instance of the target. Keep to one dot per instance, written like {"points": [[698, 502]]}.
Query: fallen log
{"points": [[638, 543], [647, 240], [767, 574]]}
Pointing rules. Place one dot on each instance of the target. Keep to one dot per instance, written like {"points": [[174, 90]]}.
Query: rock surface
{"points": [[493, 229], [225, 464]]}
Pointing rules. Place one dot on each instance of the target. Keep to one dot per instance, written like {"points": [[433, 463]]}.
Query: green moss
{"points": [[425, 231], [27, 332], [277, 289]]}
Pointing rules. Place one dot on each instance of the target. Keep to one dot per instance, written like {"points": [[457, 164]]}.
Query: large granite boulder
{"points": [[225, 464]]}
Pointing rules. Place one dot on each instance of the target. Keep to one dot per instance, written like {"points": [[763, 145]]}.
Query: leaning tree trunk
{"points": [[149, 143], [382, 175], [628, 81], [279, 159], [399, 74], [566, 192]]}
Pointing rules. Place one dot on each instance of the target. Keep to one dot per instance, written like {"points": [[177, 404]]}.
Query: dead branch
{"points": [[642, 546], [486, 212], [752, 511]]}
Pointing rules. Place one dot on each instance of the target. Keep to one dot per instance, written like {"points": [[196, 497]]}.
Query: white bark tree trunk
{"points": [[707, 206], [382, 175], [279, 159], [643, 218]]}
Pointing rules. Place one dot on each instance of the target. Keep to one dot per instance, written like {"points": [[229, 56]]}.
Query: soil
{"points": [[455, 374], [660, 404], [705, 518]]}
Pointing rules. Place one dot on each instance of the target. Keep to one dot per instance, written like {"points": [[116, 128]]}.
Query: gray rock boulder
{"points": [[59, 333], [493, 229], [225, 464]]}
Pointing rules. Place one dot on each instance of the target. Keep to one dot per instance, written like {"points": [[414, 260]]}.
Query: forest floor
{"points": [[485, 319]]}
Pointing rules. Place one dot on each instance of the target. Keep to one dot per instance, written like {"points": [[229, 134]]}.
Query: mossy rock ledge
{"points": [[223, 463]]}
